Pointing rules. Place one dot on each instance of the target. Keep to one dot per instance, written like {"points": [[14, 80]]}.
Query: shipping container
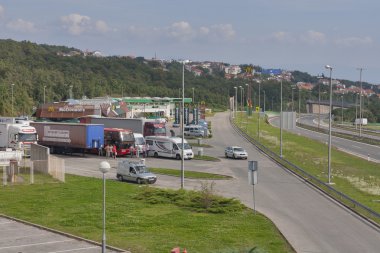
{"points": [[70, 137]]}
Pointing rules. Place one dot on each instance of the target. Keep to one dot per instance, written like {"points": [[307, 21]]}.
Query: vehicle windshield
{"points": [[159, 131], [239, 149], [126, 137], [142, 169], [139, 141], [186, 146], [27, 137]]}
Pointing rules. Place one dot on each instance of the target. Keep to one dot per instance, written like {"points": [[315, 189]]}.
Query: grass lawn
{"points": [[355, 177], [142, 218], [189, 174]]}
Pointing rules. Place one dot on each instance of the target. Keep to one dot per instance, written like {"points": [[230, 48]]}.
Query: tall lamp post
{"points": [[193, 96], [293, 99], [329, 154], [182, 126], [319, 105], [342, 110], [235, 107], [264, 101], [44, 93], [281, 120], [12, 96], [360, 103], [258, 116], [104, 167]]}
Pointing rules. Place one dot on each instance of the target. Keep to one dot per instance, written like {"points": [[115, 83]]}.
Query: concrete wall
{"points": [[43, 162]]}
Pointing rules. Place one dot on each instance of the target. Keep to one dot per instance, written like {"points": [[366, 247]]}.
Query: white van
{"points": [[194, 130], [166, 146], [140, 144]]}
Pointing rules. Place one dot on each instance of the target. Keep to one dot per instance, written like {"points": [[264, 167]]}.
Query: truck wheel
{"points": [[139, 181], [155, 154]]}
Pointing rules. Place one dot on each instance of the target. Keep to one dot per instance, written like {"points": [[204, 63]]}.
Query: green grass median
{"points": [[356, 177], [142, 218]]}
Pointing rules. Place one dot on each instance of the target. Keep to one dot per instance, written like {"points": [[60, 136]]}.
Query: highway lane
{"points": [[312, 120], [360, 149], [309, 220]]}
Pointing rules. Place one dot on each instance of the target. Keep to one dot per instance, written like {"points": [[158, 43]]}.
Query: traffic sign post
{"points": [[253, 167]]}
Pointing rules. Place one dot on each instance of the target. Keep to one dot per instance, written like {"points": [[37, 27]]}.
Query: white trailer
{"points": [[361, 121], [166, 146]]}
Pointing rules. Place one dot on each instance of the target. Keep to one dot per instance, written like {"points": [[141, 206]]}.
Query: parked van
{"points": [[194, 130], [140, 144], [166, 146]]}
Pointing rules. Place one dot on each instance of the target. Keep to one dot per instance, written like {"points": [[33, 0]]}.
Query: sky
{"points": [[302, 35]]}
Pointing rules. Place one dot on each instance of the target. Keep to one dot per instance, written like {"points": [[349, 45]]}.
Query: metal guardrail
{"points": [[362, 210]]}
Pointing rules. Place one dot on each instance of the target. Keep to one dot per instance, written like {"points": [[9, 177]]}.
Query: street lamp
{"points": [[104, 167], [258, 116], [182, 125], [293, 99], [281, 120], [193, 96], [360, 103], [264, 101], [235, 107], [44, 93], [342, 110], [12, 96], [319, 105], [329, 154]]}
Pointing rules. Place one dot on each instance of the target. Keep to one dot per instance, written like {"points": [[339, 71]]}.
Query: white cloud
{"points": [[21, 25], [76, 24], [314, 37], [181, 30], [2, 10], [101, 26], [283, 37], [225, 31], [353, 41]]}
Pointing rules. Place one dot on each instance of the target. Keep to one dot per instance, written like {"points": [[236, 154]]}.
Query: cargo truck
{"points": [[17, 135], [68, 138], [139, 125]]}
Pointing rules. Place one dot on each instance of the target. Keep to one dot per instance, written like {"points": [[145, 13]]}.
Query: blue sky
{"points": [[300, 35]]}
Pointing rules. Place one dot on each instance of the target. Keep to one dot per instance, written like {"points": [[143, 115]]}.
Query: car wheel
{"points": [[234, 156], [139, 181], [178, 157], [155, 154], [121, 178], [225, 154]]}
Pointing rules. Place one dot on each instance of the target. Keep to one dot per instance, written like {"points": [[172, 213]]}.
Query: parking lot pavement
{"points": [[17, 237]]}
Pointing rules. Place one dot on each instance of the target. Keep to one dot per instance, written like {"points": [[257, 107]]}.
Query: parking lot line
{"points": [[34, 244], [72, 250]]}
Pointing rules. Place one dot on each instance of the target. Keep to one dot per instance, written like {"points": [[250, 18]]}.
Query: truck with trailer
{"points": [[137, 125], [17, 134], [68, 138]]}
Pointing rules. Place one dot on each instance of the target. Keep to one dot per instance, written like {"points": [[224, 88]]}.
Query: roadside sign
{"points": [[252, 172]]}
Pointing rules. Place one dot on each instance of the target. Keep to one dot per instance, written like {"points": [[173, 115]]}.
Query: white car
{"points": [[235, 152]]}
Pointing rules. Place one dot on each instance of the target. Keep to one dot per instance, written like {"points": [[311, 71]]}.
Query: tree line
{"points": [[43, 72]]}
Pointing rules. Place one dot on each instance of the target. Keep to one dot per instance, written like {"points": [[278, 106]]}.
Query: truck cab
{"points": [[135, 171]]}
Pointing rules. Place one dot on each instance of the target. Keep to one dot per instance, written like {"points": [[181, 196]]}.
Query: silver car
{"points": [[235, 152]]}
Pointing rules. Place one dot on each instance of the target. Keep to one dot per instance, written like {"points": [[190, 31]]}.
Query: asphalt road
{"points": [[359, 149], [17, 237], [310, 221]]}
